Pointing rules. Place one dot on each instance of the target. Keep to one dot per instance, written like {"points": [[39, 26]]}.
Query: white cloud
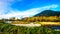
{"points": [[27, 13], [5, 7]]}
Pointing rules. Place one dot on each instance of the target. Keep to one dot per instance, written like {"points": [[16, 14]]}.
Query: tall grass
{"points": [[11, 29]]}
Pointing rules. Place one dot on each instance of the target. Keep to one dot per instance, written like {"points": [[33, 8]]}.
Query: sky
{"points": [[26, 8]]}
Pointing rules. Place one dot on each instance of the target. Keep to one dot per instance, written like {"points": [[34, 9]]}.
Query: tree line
{"points": [[27, 20]]}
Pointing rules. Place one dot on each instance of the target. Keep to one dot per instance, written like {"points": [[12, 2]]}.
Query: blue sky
{"points": [[28, 4], [26, 8]]}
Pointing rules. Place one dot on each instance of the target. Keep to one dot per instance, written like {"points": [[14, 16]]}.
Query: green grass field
{"points": [[6, 28]]}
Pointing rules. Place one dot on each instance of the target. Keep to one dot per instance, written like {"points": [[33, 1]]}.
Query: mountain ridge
{"points": [[49, 13]]}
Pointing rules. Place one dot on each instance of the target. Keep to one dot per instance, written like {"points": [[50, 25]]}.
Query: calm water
{"points": [[55, 27]]}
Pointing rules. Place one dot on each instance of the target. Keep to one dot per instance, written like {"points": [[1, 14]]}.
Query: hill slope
{"points": [[48, 13]]}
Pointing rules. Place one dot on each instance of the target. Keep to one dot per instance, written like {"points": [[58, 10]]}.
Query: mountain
{"points": [[48, 13]]}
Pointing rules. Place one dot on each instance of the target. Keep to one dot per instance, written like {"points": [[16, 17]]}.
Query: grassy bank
{"points": [[6, 28]]}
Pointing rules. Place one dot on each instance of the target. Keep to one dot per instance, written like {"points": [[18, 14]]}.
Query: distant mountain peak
{"points": [[48, 13]]}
